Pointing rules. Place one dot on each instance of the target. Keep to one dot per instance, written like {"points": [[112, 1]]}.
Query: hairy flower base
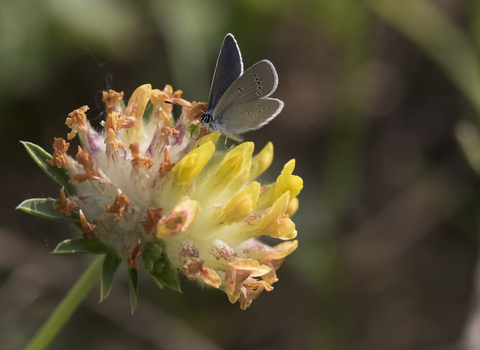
{"points": [[144, 188]]}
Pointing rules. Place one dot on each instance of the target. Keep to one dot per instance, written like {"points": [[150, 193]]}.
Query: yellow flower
{"points": [[242, 204], [190, 165], [261, 161], [143, 188], [237, 162]]}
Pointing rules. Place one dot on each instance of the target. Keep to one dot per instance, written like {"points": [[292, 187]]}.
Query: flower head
{"points": [[143, 189]]}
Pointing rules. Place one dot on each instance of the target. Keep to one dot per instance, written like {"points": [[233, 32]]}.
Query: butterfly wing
{"points": [[245, 105], [248, 116], [229, 67], [258, 81]]}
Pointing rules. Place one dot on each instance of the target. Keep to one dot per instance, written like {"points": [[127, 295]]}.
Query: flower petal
{"points": [[242, 204], [236, 162], [190, 165], [181, 217], [262, 161]]}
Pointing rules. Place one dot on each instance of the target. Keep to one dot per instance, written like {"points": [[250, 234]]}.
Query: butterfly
{"points": [[239, 101]]}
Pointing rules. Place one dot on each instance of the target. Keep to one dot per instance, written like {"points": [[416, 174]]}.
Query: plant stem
{"points": [[65, 309]]}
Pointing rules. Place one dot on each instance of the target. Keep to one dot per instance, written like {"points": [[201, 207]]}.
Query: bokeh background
{"points": [[382, 103]]}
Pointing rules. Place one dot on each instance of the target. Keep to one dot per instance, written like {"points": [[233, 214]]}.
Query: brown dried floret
{"points": [[193, 269], [133, 256], [191, 114], [119, 206], [153, 217], [66, 206], [251, 290], [137, 161], [111, 127], [158, 98], [127, 122], [112, 100], [88, 229], [166, 166], [88, 165], [77, 121], [60, 157]]}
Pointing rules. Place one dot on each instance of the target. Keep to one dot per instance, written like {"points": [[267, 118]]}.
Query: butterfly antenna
{"points": [[178, 104]]}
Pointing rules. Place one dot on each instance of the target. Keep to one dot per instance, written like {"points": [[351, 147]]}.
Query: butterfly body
{"points": [[239, 101]]}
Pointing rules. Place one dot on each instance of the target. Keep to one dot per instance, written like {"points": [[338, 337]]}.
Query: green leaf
{"points": [[43, 207], [133, 287], [58, 175], [167, 276], [81, 246], [109, 269]]}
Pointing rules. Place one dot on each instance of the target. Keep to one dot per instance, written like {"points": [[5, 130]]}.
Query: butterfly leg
{"points": [[226, 139], [203, 132]]}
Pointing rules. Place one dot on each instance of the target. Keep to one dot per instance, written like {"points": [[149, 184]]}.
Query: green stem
{"points": [[65, 309]]}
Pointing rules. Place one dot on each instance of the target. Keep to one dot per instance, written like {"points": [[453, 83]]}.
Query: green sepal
{"points": [[147, 114], [133, 287], [147, 262], [60, 176], [156, 280], [109, 269], [43, 207], [153, 252], [169, 277], [81, 246], [166, 275]]}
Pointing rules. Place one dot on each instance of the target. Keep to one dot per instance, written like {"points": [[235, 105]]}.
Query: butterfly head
{"points": [[206, 118]]}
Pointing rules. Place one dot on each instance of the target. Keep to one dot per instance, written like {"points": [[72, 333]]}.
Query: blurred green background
{"points": [[382, 103]]}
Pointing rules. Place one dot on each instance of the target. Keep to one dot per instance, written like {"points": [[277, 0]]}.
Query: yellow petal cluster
{"points": [[149, 190]]}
